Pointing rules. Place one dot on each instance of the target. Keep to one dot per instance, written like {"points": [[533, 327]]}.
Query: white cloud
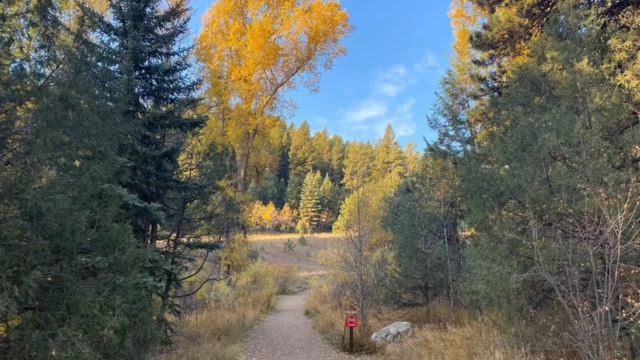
{"points": [[387, 87], [428, 62], [401, 120], [366, 110], [392, 81], [317, 124]]}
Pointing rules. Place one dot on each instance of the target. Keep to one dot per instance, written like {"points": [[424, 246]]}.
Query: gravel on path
{"points": [[286, 334]]}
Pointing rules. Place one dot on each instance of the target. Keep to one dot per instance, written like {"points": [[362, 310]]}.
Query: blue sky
{"points": [[396, 55]]}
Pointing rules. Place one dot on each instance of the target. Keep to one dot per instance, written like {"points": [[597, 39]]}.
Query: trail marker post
{"points": [[350, 321]]}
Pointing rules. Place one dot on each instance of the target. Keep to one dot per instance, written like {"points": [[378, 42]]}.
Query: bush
{"points": [[213, 331], [302, 241], [253, 255]]}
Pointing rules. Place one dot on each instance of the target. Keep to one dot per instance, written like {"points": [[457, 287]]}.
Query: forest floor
{"points": [[286, 334]]}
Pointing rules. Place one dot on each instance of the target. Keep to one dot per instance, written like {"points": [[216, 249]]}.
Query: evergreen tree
{"points": [[275, 190], [255, 191], [159, 104], [283, 156], [78, 279], [357, 164], [322, 149], [301, 156], [388, 157], [310, 203], [327, 194], [293, 191], [328, 204], [337, 159], [411, 156], [543, 181], [423, 217]]}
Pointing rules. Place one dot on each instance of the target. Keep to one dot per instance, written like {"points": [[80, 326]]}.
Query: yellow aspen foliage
{"points": [[72, 9], [255, 50], [269, 216], [465, 18], [255, 216], [288, 218], [509, 16]]}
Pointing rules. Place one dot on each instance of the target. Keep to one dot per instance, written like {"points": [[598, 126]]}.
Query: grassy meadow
{"points": [[270, 247]]}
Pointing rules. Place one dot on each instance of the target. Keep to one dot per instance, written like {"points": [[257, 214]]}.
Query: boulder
{"points": [[393, 332]]}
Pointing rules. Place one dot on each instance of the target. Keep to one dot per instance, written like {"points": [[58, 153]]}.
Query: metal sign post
{"points": [[350, 321]]}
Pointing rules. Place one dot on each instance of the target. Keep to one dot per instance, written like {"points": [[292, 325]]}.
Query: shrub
{"points": [[289, 246], [254, 255], [302, 241], [213, 330]]}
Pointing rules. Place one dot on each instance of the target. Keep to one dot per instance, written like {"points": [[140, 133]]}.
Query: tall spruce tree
{"points": [[337, 159], [388, 158], [301, 160], [329, 203], [321, 145], [77, 281], [159, 104], [310, 203], [424, 213]]}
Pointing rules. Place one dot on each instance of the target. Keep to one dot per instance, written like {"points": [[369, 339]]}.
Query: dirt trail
{"points": [[286, 334]]}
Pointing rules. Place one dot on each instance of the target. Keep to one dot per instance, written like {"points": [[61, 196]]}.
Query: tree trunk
{"points": [[449, 277], [243, 159]]}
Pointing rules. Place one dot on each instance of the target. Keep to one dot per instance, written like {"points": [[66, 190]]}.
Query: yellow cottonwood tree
{"points": [[253, 51], [465, 18]]}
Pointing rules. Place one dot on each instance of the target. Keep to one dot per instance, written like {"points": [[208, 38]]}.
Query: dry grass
{"points": [[294, 237], [212, 334], [215, 331], [436, 340], [475, 341], [270, 247]]}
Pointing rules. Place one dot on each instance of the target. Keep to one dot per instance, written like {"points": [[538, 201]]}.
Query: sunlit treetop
{"points": [[262, 48]]}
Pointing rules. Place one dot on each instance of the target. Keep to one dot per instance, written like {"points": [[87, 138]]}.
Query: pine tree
{"points": [[411, 156], [72, 264], [322, 149], [327, 193], [301, 154], [357, 164], [283, 156], [310, 203], [423, 216], [388, 158], [337, 159], [328, 204], [158, 101], [293, 191]]}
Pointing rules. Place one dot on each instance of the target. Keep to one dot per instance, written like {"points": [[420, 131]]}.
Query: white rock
{"points": [[393, 332]]}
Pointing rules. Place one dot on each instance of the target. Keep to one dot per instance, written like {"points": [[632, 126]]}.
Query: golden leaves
{"points": [[465, 18], [252, 51]]}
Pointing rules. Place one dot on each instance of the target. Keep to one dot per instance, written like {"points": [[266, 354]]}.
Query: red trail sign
{"points": [[351, 322]]}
